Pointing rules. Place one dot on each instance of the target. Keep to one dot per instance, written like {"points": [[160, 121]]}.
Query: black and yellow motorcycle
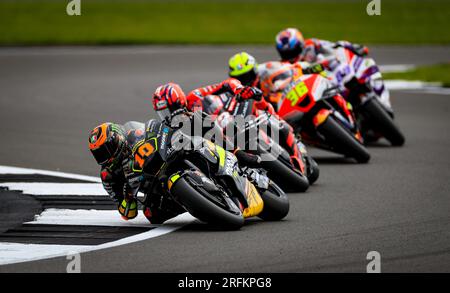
{"points": [[205, 180]]}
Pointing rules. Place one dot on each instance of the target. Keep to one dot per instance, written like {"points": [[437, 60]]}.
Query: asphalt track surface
{"points": [[398, 204]]}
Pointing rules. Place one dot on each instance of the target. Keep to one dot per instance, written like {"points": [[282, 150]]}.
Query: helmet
{"points": [[290, 43], [168, 98], [275, 78], [106, 143], [242, 66]]}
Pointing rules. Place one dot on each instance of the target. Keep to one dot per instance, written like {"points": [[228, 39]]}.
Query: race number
{"points": [[143, 151], [297, 92]]}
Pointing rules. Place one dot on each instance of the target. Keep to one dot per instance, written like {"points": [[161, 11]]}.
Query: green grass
{"points": [[432, 73], [217, 22]]}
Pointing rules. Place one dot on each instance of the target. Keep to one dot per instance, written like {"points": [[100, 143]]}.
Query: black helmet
{"points": [[106, 143]]}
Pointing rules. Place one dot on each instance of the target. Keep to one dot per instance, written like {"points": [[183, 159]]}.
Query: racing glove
{"points": [[314, 69], [360, 50], [248, 92], [128, 209]]}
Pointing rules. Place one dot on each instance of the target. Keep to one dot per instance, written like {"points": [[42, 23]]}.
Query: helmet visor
{"points": [[106, 152], [102, 155], [290, 54]]}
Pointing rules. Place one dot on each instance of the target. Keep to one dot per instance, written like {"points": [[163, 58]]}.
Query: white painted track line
{"points": [[17, 252], [37, 188], [18, 170], [88, 217]]}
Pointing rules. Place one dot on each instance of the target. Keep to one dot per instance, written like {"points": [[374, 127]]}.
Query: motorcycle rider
{"points": [[112, 147], [292, 48], [169, 100], [232, 86], [243, 67]]}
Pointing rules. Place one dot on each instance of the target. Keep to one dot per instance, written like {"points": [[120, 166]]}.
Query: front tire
{"points": [[341, 140], [380, 121], [281, 174], [313, 170], [276, 203], [204, 209]]}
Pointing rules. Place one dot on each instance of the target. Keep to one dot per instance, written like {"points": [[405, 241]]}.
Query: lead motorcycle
{"points": [[206, 180], [314, 108], [361, 83]]}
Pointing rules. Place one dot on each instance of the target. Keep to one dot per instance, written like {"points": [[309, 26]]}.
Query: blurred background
{"points": [[45, 22]]}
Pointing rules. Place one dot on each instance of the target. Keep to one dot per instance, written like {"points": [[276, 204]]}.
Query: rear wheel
{"points": [[276, 203], [221, 214], [380, 121], [342, 141]]}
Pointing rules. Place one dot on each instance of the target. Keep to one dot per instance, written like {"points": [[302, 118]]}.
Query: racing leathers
{"points": [[123, 180], [120, 180], [230, 85], [322, 51]]}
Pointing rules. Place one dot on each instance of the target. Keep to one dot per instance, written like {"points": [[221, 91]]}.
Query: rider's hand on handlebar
{"points": [[314, 69], [248, 92], [360, 50]]}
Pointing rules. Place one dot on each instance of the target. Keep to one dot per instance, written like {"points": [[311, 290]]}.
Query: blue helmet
{"points": [[289, 43]]}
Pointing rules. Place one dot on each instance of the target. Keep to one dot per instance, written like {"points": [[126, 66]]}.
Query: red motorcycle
{"points": [[315, 109]]}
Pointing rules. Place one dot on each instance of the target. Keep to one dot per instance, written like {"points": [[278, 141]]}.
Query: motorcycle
{"points": [[206, 180], [315, 109], [362, 85], [276, 160]]}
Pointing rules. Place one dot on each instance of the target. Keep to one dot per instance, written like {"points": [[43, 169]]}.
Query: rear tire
{"points": [[382, 122], [276, 203], [203, 209], [342, 141]]}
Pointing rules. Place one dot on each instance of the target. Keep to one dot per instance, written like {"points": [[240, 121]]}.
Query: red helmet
{"points": [[168, 98]]}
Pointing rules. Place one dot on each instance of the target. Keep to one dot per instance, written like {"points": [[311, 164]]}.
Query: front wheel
{"points": [[283, 174], [380, 121], [199, 203], [276, 203], [342, 141], [313, 170]]}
